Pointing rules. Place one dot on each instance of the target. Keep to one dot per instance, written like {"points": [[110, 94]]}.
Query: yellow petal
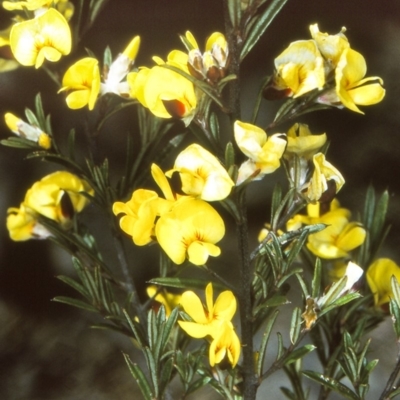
{"points": [[193, 306]]}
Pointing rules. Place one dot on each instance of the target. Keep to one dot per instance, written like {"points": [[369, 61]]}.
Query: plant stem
{"points": [[128, 279], [390, 383], [246, 306]]}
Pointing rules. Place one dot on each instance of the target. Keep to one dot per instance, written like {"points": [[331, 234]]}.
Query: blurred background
{"points": [[46, 349]]}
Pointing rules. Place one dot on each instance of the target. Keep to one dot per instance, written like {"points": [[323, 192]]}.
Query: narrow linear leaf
{"points": [[165, 377], [316, 282], [19, 143], [261, 25], [199, 383], [75, 303], [75, 285], [140, 378], [185, 283], [299, 353], [331, 384], [295, 325], [264, 342]]}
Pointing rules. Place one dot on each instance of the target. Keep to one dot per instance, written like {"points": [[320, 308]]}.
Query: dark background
{"points": [[46, 350]]}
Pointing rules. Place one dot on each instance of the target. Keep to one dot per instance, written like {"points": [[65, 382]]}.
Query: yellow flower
{"points": [[213, 63], [338, 238], [213, 320], [168, 300], [207, 319], [331, 47], [351, 88], [226, 344], [119, 69], [141, 212], [379, 275], [22, 224], [264, 153], [324, 173], [164, 92], [58, 196], [25, 130], [314, 213], [47, 36], [300, 68], [190, 229], [302, 142], [82, 80], [202, 175]]}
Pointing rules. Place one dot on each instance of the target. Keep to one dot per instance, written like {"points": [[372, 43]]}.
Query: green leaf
{"points": [[199, 383], [75, 303], [185, 283], [229, 155], [393, 394], [41, 118], [263, 21], [107, 57], [264, 342], [332, 384], [316, 282], [289, 394], [140, 378], [276, 199], [134, 330], [152, 365], [31, 117], [379, 216], [347, 298], [234, 8], [395, 289], [299, 353], [74, 284], [369, 207], [295, 325], [165, 375], [20, 143], [214, 126]]}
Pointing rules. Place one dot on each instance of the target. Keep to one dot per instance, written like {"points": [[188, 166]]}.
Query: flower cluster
{"points": [[338, 238], [57, 196], [325, 63], [185, 226], [214, 321]]}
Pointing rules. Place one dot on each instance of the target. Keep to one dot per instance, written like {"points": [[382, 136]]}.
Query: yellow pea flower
{"points": [[25, 130], [213, 320], [164, 92], [202, 175], [379, 275], [58, 196], [324, 172], [299, 68], [46, 36], [190, 229], [82, 81], [168, 300], [338, 238], [141, 212], [207, 319], [264, 152], [314, 213], [22, 224], [331, 47], [226, 344], [352, 88], [113, 81], [302, 142]]}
